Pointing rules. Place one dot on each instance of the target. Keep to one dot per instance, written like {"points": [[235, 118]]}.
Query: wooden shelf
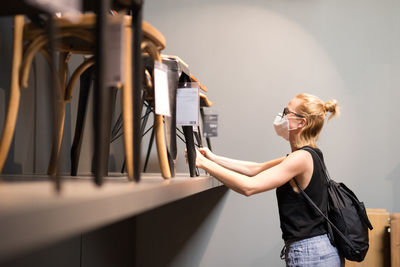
{"points": [[32, 214]]}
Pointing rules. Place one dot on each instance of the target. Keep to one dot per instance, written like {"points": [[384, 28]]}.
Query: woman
{"points": [[303, 230]]}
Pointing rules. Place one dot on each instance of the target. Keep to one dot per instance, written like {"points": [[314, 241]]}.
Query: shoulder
{"points": [[299, 159], [300, 155]]}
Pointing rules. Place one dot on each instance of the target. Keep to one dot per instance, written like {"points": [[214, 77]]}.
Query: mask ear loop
{"points": [[295, 118]]}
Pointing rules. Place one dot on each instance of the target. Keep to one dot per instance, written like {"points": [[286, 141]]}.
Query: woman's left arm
{"points": [[269, 179]]}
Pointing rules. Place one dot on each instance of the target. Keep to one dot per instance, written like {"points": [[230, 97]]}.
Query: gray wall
{"points": [[254, 56]]}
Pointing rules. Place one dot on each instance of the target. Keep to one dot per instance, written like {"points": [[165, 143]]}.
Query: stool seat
{"points": [[204, 101], [88, 22]]}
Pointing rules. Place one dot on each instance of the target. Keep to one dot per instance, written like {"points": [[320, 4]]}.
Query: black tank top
{"points": [[298, 218]]}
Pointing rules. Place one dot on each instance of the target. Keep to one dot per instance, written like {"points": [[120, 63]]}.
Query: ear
{"points": [[303, 122]]}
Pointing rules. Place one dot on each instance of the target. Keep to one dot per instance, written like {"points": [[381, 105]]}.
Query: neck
{"points": [[293, 145]]}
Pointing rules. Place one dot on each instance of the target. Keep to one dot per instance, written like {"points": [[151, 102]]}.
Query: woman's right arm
{"points": [[247, 168], [294, 165]]}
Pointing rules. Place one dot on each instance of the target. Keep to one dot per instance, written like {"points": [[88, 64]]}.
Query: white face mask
{"points": [[281, 125]]}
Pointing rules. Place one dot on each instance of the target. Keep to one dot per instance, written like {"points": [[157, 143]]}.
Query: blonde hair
{"points": [[314, 110]]}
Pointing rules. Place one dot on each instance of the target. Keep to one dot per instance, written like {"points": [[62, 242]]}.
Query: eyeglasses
{"points": [[287, 111]]}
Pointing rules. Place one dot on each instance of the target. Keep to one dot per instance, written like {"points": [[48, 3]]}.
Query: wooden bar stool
{"points": [[15, 91], [178, 70], [152, 48], [191, 136], [77, 38], [153, 42]]}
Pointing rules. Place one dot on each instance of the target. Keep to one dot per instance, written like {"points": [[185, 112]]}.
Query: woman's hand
{"points": [[200, 159], [207, 153]]}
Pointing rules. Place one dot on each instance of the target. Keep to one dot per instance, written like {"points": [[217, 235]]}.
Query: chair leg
{"points": [[85, 82], [137, 72], [15, 93], [127, 105], [161, 146], [74, 77], [60, 115], [162, 152], [191, 151], [102, 97], [143, 129], [149, 150]]}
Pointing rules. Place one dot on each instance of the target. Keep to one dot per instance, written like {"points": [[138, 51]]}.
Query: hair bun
{"points": [[332, 107]]}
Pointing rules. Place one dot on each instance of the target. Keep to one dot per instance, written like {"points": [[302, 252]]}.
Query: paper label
{"points": [[187, 106], [161, 94], [210, 125]]}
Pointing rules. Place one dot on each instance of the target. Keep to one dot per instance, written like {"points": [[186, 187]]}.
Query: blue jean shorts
{"points": [[315, 251]]}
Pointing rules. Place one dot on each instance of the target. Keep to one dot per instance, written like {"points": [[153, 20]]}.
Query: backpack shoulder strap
{"points": [[312, 151]]}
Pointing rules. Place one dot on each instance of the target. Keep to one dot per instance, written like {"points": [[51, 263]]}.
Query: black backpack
{"points": [[346, 216]]}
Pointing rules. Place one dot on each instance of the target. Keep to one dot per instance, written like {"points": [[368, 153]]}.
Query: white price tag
{"points": [[187, 106], [161, 89]]}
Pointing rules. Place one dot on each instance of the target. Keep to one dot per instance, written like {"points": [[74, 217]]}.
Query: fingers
{"points": [[199, 152], [199, 158], [206, 152], [203, 150]]}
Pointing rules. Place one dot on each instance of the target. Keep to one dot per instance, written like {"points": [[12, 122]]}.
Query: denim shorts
{"points": [[315, 251]]}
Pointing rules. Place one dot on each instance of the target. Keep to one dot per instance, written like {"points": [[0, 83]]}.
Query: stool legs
{"points": [[191, 150], [161, 146], [59, 114], [159, 121], [149, 150], [101, 112], [15, 93], [85, 82], [127, 105]]}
